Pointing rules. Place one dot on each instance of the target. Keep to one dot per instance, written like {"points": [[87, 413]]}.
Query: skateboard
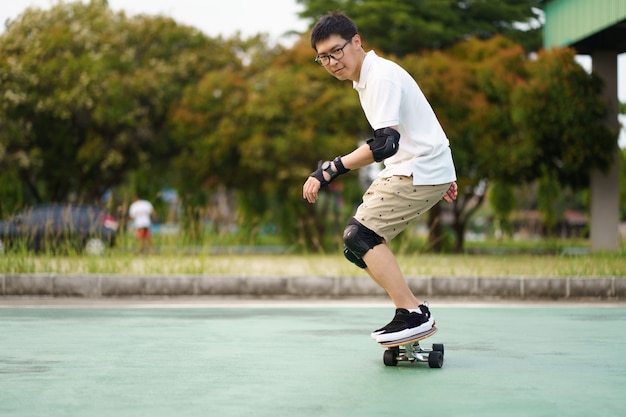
{"points": [[409, 349]]}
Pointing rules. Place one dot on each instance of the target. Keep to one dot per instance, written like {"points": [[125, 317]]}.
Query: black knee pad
{"points": [[353, 258], [358, 239]]}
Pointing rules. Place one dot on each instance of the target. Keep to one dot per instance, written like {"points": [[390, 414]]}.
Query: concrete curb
{"points": [[117, 286]]}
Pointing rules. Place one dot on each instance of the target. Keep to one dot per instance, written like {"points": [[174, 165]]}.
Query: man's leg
{"points": [[389, 206], [383, 268], [366, 249], [141, 239], [411, 317]]}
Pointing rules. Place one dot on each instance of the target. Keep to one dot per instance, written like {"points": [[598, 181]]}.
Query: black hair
{"points": [[332, 23]]}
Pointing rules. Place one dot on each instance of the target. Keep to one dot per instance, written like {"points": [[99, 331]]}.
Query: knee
{"points": [[358, 240]]}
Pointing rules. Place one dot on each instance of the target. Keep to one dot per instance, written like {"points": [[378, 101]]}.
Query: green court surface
{"points": [[310, 360]]}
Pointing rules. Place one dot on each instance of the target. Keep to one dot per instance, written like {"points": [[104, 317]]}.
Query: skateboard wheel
{"points": [[390, 357], [438, 347], [435, 359]]}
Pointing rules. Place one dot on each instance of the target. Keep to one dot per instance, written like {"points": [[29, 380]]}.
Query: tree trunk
{"points": [[435, 230], [459, 229]]}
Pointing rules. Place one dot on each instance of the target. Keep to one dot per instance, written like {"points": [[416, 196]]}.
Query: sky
{"points": [[247, 17], [214, 17]]}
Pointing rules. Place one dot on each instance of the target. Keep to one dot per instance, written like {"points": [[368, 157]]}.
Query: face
{"points": [[347, 67]]}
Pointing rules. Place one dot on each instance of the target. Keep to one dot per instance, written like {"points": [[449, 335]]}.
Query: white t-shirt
{"points": [[391, 97], [140, 212]]}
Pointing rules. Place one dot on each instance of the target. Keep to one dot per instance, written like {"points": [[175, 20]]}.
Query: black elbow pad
{"points": [[384, 144]]}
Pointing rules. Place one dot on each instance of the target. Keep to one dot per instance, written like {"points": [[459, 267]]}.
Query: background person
{"points": [[142, 213]]}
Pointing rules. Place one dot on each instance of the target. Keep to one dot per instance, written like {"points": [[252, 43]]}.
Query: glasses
{"points": [[337, 54]]}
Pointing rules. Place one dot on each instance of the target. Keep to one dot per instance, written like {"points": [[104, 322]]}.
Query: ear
{"points": [[357, 41]]}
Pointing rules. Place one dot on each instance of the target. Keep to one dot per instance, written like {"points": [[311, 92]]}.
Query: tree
{"points": [[559, 113], [469, 88], [263, 134], [418, 26], [300, 115], [401, 27], [513, 120], [209, 126], [502, 200], [87, 92]]}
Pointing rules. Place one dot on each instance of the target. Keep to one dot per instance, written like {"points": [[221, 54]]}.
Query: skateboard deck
{"points": [[409, 350], [412, 339]]}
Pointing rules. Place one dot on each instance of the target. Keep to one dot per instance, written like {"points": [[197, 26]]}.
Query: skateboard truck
{"points": [[413, 352], [409, 350]]}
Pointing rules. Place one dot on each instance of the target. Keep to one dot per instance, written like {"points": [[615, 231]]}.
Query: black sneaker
{"points": [[405, 324], [423, 308], [375, 333]]}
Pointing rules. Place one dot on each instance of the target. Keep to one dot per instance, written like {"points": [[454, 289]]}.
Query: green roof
{"points": [[586, 24]]}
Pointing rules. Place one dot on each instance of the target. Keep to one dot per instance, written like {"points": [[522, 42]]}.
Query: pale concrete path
{"points": [[292, 359]]}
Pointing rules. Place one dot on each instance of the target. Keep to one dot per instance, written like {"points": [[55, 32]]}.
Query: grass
{"points": [[238, 256], [484, 265]]}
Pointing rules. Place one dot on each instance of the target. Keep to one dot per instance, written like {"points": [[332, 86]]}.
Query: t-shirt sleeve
{"points": [[387, 98]]}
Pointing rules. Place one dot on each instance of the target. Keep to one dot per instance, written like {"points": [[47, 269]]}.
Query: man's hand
{"points": [[451, 194], [325, 173], [310, 189]]}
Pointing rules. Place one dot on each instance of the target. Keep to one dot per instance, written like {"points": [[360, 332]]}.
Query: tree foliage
{"points": [[263, 135], [93, 99], [469, 87], [87, 93], [560, 113], [401, 27], [502, 201], [514, 120]]}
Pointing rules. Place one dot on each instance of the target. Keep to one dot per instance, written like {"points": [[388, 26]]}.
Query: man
{"points": [[419, 170], [142, 212]]}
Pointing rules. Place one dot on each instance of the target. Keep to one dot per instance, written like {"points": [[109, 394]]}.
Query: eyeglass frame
{"points": [[319, 59]]}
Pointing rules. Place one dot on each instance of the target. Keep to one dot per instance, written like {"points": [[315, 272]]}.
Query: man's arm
{"points": [[360, 157], [356, 159]]}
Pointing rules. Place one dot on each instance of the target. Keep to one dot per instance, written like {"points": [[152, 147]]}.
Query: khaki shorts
{"points": [[391, 204]]}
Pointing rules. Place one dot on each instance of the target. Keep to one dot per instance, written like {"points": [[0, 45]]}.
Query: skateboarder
{"points": [[418, 172]]}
